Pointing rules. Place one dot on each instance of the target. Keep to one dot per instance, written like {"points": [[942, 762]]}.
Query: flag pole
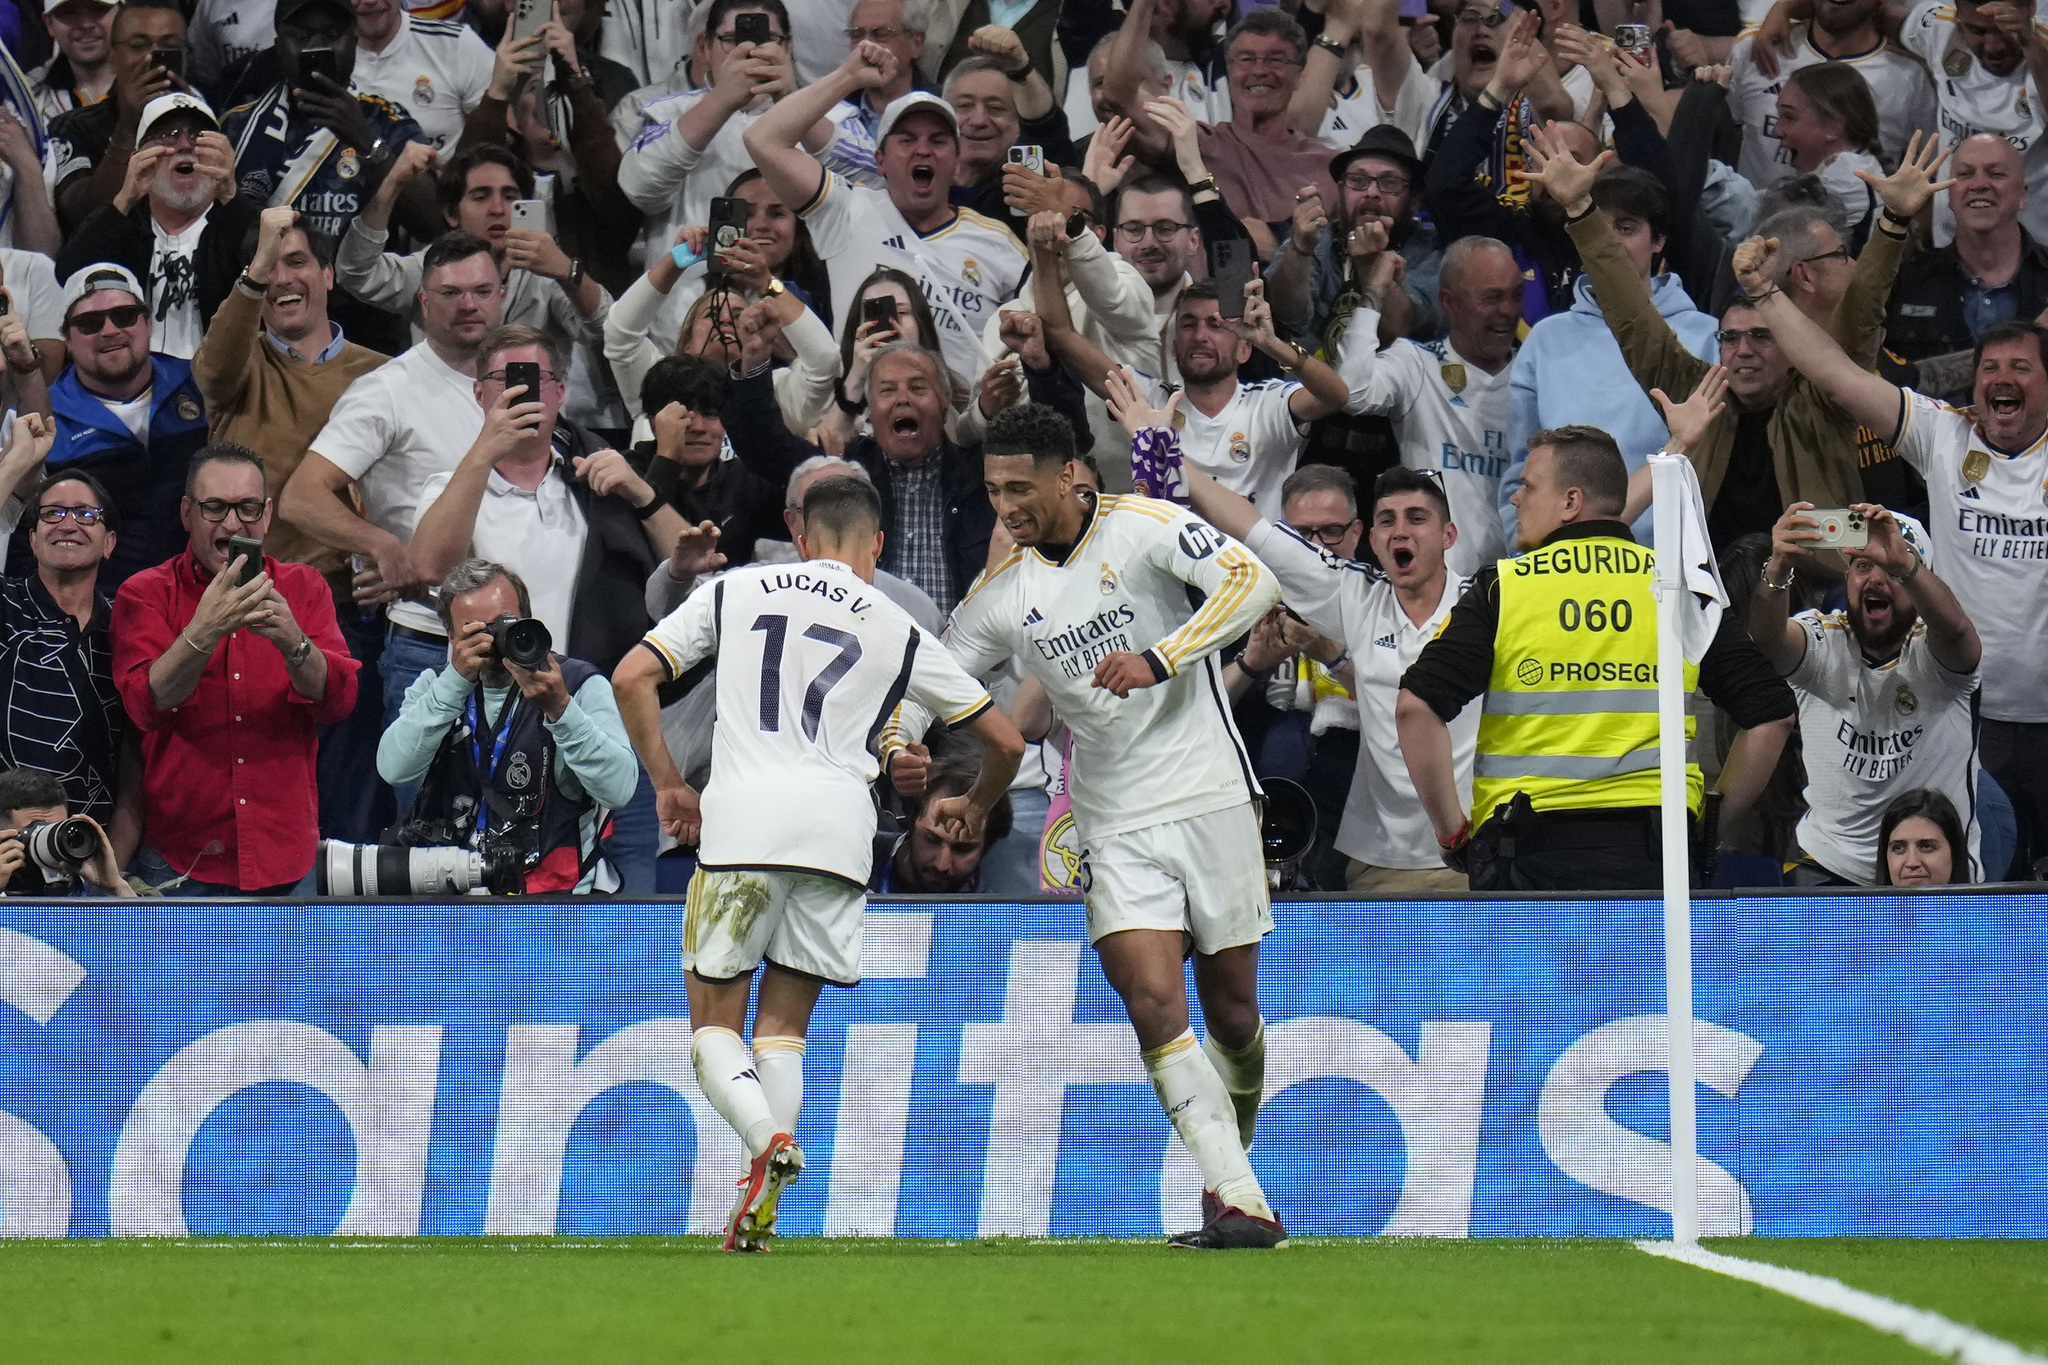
{"points": [[1667, 482]]}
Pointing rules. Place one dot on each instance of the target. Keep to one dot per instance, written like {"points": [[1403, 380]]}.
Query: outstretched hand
{"points": [[1908, 189], [1563, 176], [1688, 421], [1128, 406]]}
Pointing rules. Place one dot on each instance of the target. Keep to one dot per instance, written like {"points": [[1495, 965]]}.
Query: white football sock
{"points": [[1193, 1096], [725, 1073], [1244, 1075], [779, 1062]]}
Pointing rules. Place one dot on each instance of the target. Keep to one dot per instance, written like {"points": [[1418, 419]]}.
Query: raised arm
{"points": [[1951, 637], [1322, 392], [1319, 71], [1123, 82], [775, 140], [1865, 397]]}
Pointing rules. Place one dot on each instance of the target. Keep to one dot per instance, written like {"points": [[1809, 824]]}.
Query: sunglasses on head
{"points": [[90, 322]]}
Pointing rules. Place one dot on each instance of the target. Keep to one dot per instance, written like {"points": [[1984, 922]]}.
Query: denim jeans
{"points": [[155, 870], [405, 658], [355, 804], [636, 835]]}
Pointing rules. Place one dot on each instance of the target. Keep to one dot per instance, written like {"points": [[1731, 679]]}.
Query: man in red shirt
{"points": [[227, 683]]}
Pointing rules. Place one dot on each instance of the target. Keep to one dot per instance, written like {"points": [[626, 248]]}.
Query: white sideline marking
{"points": [[1929, 1331]]}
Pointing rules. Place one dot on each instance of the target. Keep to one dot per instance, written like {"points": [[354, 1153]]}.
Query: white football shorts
{"points": [[798, 920], [1205, 875]]}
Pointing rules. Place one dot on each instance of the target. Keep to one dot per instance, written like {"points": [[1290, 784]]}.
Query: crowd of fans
{"points": [[465, 323]]}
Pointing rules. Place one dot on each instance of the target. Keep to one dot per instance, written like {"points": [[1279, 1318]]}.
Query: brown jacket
{"points": [[1814, 444], [273, 403]]}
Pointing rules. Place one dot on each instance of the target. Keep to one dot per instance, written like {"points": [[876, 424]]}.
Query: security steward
{"points": [[1563, 641]]}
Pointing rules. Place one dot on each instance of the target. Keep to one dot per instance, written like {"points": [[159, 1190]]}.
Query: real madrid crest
{"points": [[188, 408], [517, 773], [2020, 105], [1956, 62], [1454, 375], [1976, 465], [423, 90], [971, 269], [349, 166], [1904, 702], [1240, 448], [1108, 580]]}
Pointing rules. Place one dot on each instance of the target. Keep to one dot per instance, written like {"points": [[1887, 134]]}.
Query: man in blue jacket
{"points": [[129, 418], [1570, 372]]}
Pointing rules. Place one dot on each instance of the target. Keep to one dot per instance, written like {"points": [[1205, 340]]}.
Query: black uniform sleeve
{"points": [[1459, 204], [1457, 665], [1736, 677], [761, 441]]}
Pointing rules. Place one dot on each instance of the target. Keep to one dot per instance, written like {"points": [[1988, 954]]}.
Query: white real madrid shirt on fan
{"points": [[1898, 84], [812, 661], [1166, 752], [1252, 443], [438, 69], [1871, 733], [1451, 417], [1970, 100], [1384, 823], [1987, 511], [965, 268]]}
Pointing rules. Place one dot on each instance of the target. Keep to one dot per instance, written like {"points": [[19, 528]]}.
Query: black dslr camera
{"points": [[521, 640]]}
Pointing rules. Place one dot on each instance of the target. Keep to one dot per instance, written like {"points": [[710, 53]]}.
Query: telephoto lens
{"points": [[395, 870], [521, 640], [60, 848]]}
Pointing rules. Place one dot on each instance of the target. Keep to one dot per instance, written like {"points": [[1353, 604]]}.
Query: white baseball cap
{"points": [[100, 275], [49, 5], [164, 105], [910, 103]]}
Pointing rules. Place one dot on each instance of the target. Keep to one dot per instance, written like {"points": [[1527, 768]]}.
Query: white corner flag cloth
{"points": [[1675, 495]]}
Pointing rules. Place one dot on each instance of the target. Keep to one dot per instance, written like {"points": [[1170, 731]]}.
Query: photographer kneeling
{"points": [[45, 850], [519, 759]]}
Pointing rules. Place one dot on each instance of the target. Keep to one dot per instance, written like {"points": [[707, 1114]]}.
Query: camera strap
{"points": [[484, 737]]}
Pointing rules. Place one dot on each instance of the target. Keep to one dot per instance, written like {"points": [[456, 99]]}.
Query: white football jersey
{"points": [[812, 661], [1451, 417], [1871, 734], [1898, 85], [1970, 100], [437, 70], [1166, 752], [1252, 443], [1990, 546], [1384, 823], [966, 268]]}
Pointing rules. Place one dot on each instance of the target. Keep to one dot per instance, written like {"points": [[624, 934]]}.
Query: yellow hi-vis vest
{"points": [[1571, 709]]}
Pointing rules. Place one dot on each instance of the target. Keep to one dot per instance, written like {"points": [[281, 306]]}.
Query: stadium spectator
{"points": [[926, 858], [955, 38], [1570, 371], [435, 69], [1379, 180], [860, 340], [899, 26], [1996, 556], [36, 301], [226, 681], [556, 722], [1002, 102], [1564, 793], [1783, 438], [176, 224], [1992, 272], [391, 431], [90, 145], [684, 461], [1449, 400], [1992, 64], [129, 418], [544, 286], [81, 72], [1827, 128], [1847, 37], [30, 797], [965, 264], [1887, 691], [1917, 841], [63, 714], [229, 48]]}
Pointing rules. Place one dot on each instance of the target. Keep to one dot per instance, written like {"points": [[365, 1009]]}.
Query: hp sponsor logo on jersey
{"points": [[1198, 541]]}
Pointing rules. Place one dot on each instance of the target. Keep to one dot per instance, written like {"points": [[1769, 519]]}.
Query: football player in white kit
{"points": [[812, 662], [1096, 601]]}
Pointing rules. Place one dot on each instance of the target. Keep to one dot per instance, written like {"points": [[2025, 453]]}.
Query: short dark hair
{"points": [[1632, 192], [841, 507], [466, 577], [453, 182], [317, 242], [720, 8], [1097, 205], [1153, 184], [1928, 805], [449, 248], [1402, 479], [691, 380], [108, 512], [1319, 478], [2012, 330], [1590, 461], [30, 789], [1196, 292], [225, 452], [1271, 23], [137, 7], [505, 336], [1030, 429]]}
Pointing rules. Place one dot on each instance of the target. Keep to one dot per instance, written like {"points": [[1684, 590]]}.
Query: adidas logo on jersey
{"points": [[893, 243], [1972, 493], [1035, 617], [1385, 641]]}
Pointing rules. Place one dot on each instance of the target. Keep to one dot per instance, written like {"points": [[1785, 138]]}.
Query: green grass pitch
{"points": [[680, 1299]]}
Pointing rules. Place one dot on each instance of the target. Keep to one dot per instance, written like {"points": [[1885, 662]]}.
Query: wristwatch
{"points": [[252, 286], [300, 651], [1332, 46], [774, 289], [1077, 223], [575, 280]]}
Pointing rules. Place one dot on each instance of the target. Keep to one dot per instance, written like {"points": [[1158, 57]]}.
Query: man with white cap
{"points": [[176, 224], [1887, 690], [129, 418], [80, 73], [966, 263]]}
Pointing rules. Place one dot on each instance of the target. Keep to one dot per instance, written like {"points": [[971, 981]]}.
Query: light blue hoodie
{"points": [[1570, 371]]}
